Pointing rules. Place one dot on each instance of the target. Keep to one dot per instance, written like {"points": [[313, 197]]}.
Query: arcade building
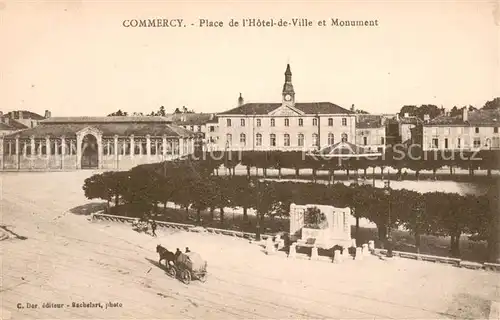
{"points": [[109, 143]]}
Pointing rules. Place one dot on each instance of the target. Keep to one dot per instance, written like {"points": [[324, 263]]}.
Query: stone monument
{"points": [[321, 226]]}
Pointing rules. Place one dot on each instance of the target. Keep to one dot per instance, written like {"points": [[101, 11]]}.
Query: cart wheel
{"points": [[171, 271], [186, 276], [203, 277]]}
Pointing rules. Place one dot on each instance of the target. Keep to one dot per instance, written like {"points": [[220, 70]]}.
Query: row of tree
{"points": [[434, 111], [414, 159], [190, 184], [160, 112]]}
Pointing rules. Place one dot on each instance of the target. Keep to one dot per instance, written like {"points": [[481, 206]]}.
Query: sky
{"points": [[77, 59]]}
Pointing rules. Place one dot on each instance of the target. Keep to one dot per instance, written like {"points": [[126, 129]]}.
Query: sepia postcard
{"points": [[249, 159]]}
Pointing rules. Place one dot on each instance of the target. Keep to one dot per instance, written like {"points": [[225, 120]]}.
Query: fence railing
{"points": [[181, 226], [447, 260]]}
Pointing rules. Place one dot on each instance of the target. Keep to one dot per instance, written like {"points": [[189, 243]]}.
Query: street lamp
{"points": [[387, 191]]}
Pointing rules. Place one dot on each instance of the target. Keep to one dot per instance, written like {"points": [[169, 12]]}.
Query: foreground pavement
{"points": [[66, 259]]}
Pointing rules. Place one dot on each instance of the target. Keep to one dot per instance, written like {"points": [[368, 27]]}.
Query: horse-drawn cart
{"points": [[188, 266]]}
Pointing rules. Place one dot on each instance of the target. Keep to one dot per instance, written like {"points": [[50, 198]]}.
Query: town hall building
{"points": [[287, 125], [112, 143]]}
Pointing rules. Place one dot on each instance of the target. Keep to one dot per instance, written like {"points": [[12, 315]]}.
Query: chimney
{"points": [[406, 115], [184, 109], [353, 109], [427, 117], [240, 101], [212, 116], [48, 114], [465, 114]]}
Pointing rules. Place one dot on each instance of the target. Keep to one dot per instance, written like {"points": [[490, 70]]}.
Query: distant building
{"points": [[371, 132], [14, 121], [94, 143], [204, 125], [472, 130], [286, 125]]}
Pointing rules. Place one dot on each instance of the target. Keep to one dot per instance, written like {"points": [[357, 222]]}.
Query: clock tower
{"points": [[288, 94]]}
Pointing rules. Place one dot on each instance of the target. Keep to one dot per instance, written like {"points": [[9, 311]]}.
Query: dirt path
{"points": [[67, 259]]}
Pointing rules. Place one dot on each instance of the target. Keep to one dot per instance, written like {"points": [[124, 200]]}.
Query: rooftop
{"points": [[475, 118], [113, 119], [121, 128], [369, 121], [306, 107]]}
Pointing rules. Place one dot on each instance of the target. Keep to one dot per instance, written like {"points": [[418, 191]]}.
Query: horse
{"points": [[165, 255]]}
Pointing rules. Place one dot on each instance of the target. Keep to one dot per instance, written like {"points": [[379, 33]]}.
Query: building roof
{"points": [[112, 119], [306, 107], [410, 120], [8, 123], [26, 114], [57, 127], [341, 149], [476, 118], [368, 121], [190, 118]]}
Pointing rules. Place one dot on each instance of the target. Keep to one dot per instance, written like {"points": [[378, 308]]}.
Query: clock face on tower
{"points": [[288, 97]]}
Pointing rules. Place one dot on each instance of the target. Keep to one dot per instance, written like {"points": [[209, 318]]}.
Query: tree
{"points": [[118, 113], [492, 104]]}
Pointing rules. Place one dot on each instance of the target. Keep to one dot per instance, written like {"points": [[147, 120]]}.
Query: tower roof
{"points": [[288, 71]]}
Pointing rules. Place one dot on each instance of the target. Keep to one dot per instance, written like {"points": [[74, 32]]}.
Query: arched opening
{"points": [[90, 158]]}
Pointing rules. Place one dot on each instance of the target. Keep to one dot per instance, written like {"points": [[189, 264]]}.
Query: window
{"points": [[344, 121], [258, 139], [229, 139], [458, 143], [495, 143], [476, 130], [301, 140], [435, 143], [446, 143], [273, 122], [344, 137], [330, 122], [228, 122], [259, 122], [243, 139], [212, 129], [365, 141], [192, 128], [301, 122], [477, 142], [382, 140], [330, 139], [199, 128], [273, 139], [53, 147], [315, 121], [242, 122], [495, 129], [315, 139], [286, 140], [287, 122]]}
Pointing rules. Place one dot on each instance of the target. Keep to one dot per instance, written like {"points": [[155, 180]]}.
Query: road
{"points": [[64, 259]]}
